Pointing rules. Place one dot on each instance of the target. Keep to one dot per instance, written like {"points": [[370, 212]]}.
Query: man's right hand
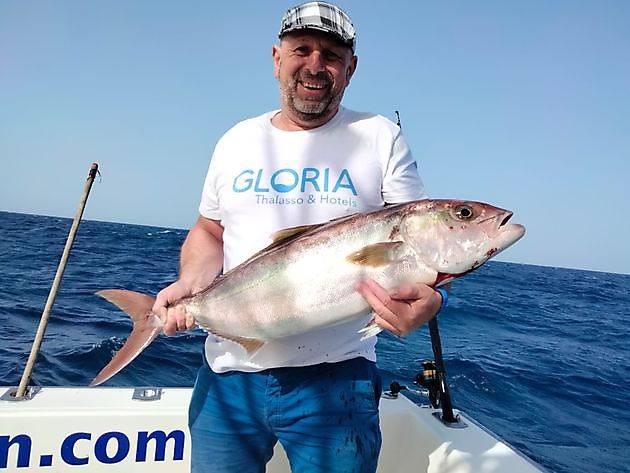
{"points": [[201, 260], [174, 319]]}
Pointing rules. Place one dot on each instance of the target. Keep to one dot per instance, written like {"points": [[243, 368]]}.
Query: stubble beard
{"points": [[309, 110]]}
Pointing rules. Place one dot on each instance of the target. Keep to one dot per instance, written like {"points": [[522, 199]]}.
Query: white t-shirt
{"points": [[262, 179]]}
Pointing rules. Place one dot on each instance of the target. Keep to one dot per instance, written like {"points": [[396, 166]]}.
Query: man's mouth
{"points": [[314, 85]]}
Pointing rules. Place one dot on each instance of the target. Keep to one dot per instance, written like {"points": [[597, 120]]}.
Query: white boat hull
{"points": [[106, 430]]}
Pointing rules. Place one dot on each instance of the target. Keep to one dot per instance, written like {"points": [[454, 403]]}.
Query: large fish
{"points": [[306, 278]]}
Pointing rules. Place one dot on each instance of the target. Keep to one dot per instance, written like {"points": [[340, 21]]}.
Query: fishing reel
{"points": [[428, 378]]}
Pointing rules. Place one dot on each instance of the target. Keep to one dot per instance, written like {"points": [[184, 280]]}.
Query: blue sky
{"points": [[523, 104]]}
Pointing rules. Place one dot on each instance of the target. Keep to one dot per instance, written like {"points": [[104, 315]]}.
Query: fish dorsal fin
{"points": [[378, 254], [281, 237], [287, 234]]}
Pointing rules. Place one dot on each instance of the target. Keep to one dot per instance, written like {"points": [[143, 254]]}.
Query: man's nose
{"points": [[315, 62]]}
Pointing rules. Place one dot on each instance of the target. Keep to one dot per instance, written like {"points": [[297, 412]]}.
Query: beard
{"points": [[310, 110]]}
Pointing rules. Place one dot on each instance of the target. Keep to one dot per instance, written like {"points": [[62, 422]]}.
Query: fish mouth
{"points": [[515, 228], [504, 234], [498, 225], [502, 219], [500, 235]]}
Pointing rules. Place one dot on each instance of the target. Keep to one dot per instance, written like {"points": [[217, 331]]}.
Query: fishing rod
{"points": [[440, 374], [433, 374]]}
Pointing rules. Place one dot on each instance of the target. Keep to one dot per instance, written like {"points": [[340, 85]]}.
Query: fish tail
{"points": [[146, 326]]}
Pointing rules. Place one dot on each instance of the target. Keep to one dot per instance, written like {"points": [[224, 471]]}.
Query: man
{"points": [[309, 162]]}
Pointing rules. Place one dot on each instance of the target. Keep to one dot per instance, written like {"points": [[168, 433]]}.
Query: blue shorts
{"points": [[325, 416]]}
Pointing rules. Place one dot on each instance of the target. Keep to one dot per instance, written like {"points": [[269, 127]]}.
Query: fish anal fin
{"points": [[378, 254], [251, 345]]}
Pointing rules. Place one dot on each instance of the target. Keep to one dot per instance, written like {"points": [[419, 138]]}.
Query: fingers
{"points": [[159, 306], [374, 292], [383, 305], [383, 323], [177, 320], [403, 309], [174, 319], [409, 291]]}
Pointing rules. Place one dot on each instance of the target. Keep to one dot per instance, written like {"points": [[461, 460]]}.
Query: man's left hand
{"points": [[403, 309]]}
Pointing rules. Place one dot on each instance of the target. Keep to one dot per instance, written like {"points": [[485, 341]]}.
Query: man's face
{"points": [[313, 70]]}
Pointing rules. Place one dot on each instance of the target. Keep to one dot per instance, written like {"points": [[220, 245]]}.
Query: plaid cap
{"points": [[320, 16]]}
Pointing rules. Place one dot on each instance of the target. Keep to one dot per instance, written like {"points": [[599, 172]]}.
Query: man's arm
{"points": [[201, 260]]}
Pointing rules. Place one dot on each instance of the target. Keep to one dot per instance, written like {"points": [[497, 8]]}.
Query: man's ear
{"points": [[351, 68], [275, 55]]}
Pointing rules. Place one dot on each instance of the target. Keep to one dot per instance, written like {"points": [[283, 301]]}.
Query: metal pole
{"points": [[26, 376]]}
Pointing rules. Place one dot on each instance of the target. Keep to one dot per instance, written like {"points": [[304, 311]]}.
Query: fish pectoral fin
{"points": [[370, 330], [251, 345], [378, 254]]}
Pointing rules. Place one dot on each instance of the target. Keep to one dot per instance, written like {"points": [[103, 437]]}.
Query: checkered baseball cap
{"points": [[320, 16]]}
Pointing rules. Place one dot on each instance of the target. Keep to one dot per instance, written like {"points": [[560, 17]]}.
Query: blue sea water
{"points": [[538, 355]]}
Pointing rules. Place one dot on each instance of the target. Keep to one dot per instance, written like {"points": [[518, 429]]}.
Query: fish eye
{"points": [[464, 212]]}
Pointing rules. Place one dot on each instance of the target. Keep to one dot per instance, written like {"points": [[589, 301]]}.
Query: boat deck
{"points": [[115, 430]]}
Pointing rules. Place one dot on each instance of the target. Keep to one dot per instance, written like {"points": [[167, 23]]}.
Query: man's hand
{"points": [[201, 259], [403, 309], [174, 319]]}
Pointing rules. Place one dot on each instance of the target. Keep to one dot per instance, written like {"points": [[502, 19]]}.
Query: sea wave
{"points": [[536, 354]]}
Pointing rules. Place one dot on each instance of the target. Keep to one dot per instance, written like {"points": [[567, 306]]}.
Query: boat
{"points": [[109, 429], [127, 430]]}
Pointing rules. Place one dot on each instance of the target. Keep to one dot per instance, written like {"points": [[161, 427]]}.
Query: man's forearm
{"points": [[201, 257]]}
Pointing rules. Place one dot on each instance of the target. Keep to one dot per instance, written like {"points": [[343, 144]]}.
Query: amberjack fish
{"points": [[306, 278]]}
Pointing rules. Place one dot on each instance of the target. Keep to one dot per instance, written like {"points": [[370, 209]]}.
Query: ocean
{"points": [[538, 355]]}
